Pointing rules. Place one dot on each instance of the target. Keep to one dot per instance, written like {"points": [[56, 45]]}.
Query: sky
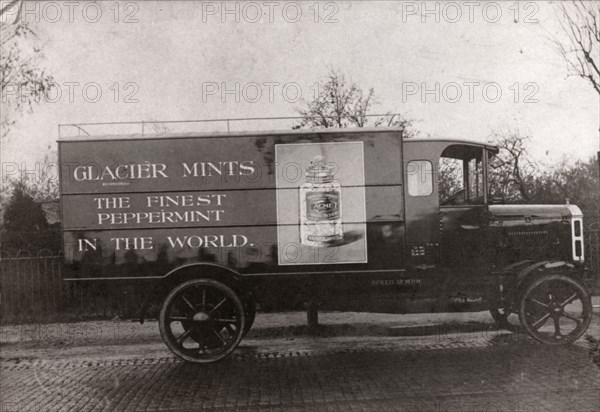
{"points": [[462, 70]]}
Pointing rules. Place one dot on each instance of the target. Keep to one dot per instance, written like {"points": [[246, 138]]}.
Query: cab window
{"points": [[461, 176], [420, 178]]}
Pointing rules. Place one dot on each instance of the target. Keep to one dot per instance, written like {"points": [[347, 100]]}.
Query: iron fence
{"points": [[30, 287], [32, 290], [592, 252]]}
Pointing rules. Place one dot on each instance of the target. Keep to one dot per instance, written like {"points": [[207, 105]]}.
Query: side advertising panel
{"points": [[321, 203], [258, 204]]}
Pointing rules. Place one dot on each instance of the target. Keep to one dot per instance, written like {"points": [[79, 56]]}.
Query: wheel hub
{"points": [[554, 309], [201, 317]]}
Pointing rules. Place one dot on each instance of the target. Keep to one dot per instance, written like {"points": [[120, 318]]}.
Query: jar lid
{"points": [[319, 170]]}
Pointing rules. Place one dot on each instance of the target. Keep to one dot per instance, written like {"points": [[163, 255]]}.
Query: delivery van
{"points": [[208, 226]]}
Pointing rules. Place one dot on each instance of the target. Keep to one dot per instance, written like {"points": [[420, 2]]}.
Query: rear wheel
{"points": [[555, 309], [202, 320]]}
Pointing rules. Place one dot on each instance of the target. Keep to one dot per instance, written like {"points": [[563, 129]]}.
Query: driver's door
{"points": [[463, 210]]}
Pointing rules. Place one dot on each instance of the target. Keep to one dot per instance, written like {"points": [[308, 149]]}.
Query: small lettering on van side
{"points": [[397, 282]]}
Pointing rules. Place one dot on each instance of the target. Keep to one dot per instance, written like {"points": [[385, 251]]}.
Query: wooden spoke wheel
{"points": [[202, 320], [555, 309]]}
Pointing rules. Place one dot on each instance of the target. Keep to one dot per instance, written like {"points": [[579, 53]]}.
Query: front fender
{"points": [[516, 276], [543, 266]]}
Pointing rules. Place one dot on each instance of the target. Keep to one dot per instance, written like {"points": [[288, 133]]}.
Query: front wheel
{"points": [[555, 309], [202, 320]]}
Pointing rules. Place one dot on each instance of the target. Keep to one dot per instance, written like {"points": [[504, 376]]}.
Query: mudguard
{"points": [[518, 274], [183, 273]]}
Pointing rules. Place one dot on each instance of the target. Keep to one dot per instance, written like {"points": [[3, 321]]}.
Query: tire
{"points": [[564, 300], [202, 320]]}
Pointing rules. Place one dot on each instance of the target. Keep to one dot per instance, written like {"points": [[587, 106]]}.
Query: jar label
{"points": [[323, 205]]}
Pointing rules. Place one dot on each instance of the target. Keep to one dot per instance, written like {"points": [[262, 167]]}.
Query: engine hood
{"points": [[532, 214]]}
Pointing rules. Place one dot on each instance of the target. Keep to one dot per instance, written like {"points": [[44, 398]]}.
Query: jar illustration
{"points": [[320, 206]]}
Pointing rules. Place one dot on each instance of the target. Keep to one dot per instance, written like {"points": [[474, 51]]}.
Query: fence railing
{"points": [[592, 252], [32, 290]]}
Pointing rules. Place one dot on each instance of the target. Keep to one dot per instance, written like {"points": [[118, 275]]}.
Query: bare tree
{"points": [[450, 177], [341, 103], [22, 81], [512, 172], [516, 178], [576, 181], [580, 21], [580, 45]]}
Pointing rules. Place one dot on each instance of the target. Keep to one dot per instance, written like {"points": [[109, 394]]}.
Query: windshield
{"points": [[461, 176]]}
